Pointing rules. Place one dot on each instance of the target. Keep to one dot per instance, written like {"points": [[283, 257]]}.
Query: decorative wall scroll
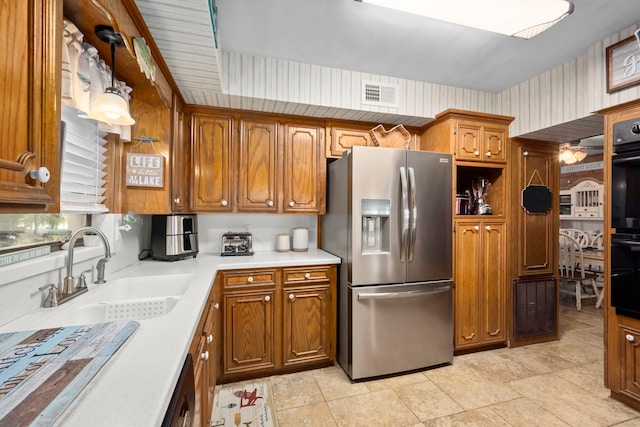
{"points": [[623, 64], [145, 170]]}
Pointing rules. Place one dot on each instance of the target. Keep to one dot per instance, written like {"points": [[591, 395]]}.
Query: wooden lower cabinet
{"points": [[276, 320], [204, 365], [309, 316], [249, 330], [629, 347], [479, 296]]}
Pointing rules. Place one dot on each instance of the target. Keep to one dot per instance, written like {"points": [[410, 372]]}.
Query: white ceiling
{"points": [[357, 36], [351, 35]]}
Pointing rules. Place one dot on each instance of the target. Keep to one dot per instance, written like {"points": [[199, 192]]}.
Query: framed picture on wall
{"points": [[623, 63]]}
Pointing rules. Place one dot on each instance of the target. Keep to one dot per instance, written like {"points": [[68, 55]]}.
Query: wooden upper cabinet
{"points": [[211, 159], [258, 171], [342, 137], [30, 33], [304, 185], [480, 142]]}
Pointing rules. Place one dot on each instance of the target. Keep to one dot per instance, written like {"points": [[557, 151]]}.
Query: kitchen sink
{"points": [[122, 299], [114, 311], [141, 287]]}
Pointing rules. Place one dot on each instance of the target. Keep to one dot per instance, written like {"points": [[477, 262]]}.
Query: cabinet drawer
{"points": [[297, 276], [249, 278]]}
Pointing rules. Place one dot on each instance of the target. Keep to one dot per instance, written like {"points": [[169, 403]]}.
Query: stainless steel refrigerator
{"points": [[389, 220]]}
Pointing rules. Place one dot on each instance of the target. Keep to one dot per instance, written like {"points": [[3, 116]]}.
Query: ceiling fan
{"points": [[570, 154], [577, 151]]}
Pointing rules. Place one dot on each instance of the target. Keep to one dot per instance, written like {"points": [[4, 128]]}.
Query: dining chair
{"points": [[574, 279], [597, 242], [580, 236]]}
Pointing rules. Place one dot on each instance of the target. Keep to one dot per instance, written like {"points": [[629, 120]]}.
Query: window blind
{"points": [[83, 164]]}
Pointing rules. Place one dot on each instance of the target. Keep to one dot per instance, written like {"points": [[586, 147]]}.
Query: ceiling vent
{"points": [[380, 94]]}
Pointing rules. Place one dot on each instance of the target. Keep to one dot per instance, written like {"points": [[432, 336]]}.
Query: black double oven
{"points": [[625, 218]]}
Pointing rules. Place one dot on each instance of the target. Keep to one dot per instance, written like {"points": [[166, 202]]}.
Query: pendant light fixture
{"points": [[110, 107], [517, 18]]}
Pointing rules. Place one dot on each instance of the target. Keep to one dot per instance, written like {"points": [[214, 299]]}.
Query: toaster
{"points": [[235, 244]]}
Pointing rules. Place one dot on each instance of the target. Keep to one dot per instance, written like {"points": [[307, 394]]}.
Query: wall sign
{"points": [[623, 64], [145, 170]]}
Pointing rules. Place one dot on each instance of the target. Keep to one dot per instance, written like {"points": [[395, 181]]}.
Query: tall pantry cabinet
{"points": [[534, 290], [479, 144]]}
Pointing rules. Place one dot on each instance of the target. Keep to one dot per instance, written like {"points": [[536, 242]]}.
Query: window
{"points": [[18, 231]]}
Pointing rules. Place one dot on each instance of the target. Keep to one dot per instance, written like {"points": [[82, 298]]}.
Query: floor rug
{"points": [[246, 404]]}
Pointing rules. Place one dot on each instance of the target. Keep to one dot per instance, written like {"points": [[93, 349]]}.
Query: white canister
{"points": [[301, 239], [282, 243]]}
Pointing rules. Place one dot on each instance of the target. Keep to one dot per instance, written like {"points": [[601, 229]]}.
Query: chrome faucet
{"points": [[69, 289]]}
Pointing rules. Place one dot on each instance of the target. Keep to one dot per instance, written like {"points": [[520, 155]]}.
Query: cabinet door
{"points": [[179, 162], [468, 258], [30, 33], [249, 331], [342, 138], [307, 321], [258, 169], [493, 144], [468, 141], [304, 170], [200, 381], [493, 281], [629, 339], [209, 384], [211, 159], [539, 166]]}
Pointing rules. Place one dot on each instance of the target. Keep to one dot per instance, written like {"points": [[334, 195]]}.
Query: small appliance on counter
{"points": [[300, 239], [283, 243], [174, 237], [236, 244]]}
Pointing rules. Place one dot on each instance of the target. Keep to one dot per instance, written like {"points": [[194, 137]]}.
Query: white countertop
{"points": [[135, 386]]}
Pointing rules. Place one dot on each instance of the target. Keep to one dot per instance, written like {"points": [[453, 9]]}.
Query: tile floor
{"points": [[552, 384]]}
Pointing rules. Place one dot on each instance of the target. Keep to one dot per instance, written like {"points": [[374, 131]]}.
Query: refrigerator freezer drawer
{"points": [[397, 328]]}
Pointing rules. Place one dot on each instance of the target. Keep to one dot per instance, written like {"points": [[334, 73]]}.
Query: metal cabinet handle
{"points": [[267, 298], [292, 203], [209, 339], [292, 297], [476, 153], [477, 227], [488, 228], [41, 174], [307, 276], [488, 154], [630, 337], [205, 355], [216, 306], [270, 203], [250, 279], [223, 202], [526, 153], [176, 200]]}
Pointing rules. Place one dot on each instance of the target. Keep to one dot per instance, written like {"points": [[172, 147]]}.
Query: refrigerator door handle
{"points": [[406, 294], [414, 213], [405, 212]]}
